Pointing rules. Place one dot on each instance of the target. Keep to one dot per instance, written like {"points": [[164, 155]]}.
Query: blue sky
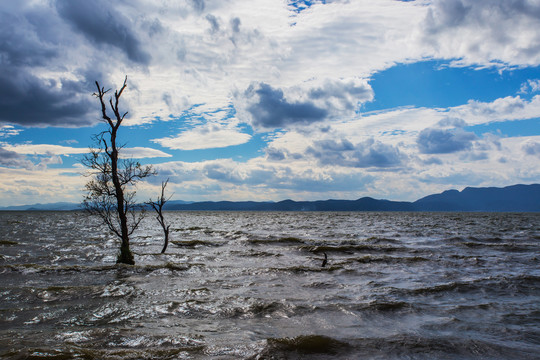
{"points": [[268, 100]]}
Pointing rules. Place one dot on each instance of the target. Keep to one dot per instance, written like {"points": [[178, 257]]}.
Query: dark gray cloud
{"points": [[272, 110], [30, 39], [235, 25], [444, 141], [101, 24], [366, 154], [214, 24], [28, 101], [20, 43], [268, 107], [198, 5], [12, 159], [274, 154]]}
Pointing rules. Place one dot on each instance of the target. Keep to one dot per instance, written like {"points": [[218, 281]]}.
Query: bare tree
{"points": [[110, 193], [158, 207]]}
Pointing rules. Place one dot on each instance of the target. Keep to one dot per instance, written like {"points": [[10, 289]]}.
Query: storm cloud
{"points": [[314, 101], [272, 110], [366, 154], [29, 41], [29, 101], [444, 141], [101, 24]]}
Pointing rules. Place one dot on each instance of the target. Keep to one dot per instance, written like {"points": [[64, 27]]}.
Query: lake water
{"points": [[249, 285]]}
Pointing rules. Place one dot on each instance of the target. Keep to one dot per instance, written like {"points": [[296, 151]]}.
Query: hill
{"points": [[518, 198]]}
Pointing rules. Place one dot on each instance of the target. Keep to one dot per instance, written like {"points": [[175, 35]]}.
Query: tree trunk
{"points": [[166, 231], [125, 256]]}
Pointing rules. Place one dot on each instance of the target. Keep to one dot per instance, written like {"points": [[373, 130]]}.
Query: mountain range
{"points": [[515, 198]]}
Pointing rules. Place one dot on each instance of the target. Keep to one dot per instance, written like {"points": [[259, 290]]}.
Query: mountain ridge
{"points": [[513, 198]]}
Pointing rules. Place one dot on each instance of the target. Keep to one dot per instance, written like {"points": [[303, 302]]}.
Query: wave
{"points": [[348, 249], [390, 259], [41, 268], [301, 345], [8, 243], [277, 241], [195, 243]]}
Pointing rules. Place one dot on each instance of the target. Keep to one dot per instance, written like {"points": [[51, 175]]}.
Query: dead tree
{"points": [[110, 194], [158, 207]]}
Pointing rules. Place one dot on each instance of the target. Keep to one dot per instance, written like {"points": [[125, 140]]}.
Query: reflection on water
{"points": [[249, 285]]}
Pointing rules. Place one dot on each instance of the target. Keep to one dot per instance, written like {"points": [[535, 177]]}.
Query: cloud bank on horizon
{"points": [[267, 100]]}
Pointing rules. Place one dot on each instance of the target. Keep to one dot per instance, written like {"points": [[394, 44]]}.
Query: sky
{"points": [[269, 100]]}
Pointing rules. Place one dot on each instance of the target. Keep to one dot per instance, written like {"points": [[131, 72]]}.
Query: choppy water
{"points": [[249, 285]]}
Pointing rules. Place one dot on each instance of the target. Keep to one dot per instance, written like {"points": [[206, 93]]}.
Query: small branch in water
{"points": [[325, 261]]}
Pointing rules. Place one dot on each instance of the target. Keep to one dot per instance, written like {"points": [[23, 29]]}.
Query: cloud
{"points": [[444, 141], [269, 109], [204, 137], [266, 107], [366, 154], [484, 32], [507, 108], [104, 25], [50, 150], [532, 148], [8, 131], [260, 178], [530, 86], [342, 95], [142, 153], [12, 159], [214, 24], [30, 95], [44, 149], [29, 101]]}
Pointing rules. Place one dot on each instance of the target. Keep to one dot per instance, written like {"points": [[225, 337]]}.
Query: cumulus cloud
{"points": [[484, 32], [269, 109], [444, 141], [266, 107], [366, 154], [507, 108]]}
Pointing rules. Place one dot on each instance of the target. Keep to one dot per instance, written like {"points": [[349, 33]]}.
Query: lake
{"points": [[250, 285]]}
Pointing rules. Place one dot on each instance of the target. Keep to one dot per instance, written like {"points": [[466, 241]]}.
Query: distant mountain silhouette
{"points": [[510, 198], [58, 206], [363, 204], [519, 198]]}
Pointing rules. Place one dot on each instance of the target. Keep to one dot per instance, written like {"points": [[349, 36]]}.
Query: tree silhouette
{"points": [[110, 194], [158, 207]]}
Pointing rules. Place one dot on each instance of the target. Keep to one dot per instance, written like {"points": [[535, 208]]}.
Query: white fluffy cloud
{"points": [[484, 32]]}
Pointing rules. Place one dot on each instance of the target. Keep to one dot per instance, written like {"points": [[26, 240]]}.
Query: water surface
{"points": [[249, 285]]}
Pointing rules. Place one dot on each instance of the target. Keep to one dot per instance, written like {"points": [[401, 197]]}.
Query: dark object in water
{"points": [[325, 261]]}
